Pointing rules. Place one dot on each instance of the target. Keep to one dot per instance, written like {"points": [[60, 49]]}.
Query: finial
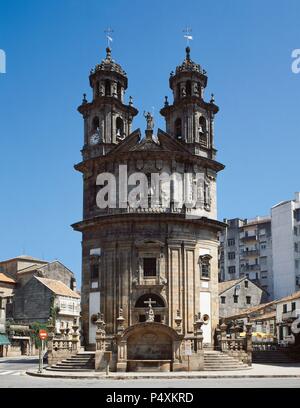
{"points": [[212, 100], [166, 101], [130, 100], [84, 100], [108, 53], [188, 50]]}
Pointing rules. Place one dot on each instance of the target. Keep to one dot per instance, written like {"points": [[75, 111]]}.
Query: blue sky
{"points": [[50, 46]]}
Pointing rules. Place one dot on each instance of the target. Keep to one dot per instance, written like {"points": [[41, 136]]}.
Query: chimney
{"points": [[297, 197]]}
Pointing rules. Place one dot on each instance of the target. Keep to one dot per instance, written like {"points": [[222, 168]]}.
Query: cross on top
{"points": [[108, 31], [187, 34], [150, 302]]}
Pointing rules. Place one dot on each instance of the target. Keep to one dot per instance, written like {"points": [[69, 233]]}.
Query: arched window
{"points": [[95, 125], [120, 127], [178, 128], [119, 91], [188, 88], [107, 88], [203, 131], [156, 301]]}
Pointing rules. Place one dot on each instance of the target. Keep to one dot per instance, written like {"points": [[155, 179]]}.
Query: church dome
{"points": [[188, 65], [109, 65]]}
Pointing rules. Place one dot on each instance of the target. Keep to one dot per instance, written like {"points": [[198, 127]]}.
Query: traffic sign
{"points": [[43, 334]]}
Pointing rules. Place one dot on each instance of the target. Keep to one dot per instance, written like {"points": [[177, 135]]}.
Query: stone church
{"points": [[149, 272]]}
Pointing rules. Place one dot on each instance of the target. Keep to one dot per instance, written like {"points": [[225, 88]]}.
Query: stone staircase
{"points": [[82, 361], [85, 361], [273, 357], [218, 361]]}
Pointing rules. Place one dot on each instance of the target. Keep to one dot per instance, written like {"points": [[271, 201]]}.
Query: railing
{"points": [[251, 252], [265, 346], [246, 237], [233, 344], [249, 268], [292, 314], [62, 344]]}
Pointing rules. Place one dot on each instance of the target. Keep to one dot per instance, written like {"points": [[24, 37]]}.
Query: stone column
{"points": [[198, 332], [223, 329], [249, 347], [50, 329], [75, 336], [178, 322], [102, 357]]}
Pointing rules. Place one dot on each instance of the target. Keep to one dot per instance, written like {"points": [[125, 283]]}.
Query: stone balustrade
{"points": [[65, 344]]}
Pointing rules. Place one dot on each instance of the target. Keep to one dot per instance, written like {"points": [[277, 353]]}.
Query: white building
{"points": [[287, 311], [286, 247], [246, 251]]}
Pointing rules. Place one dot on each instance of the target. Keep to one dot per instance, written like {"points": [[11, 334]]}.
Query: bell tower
{"points": [[107, 119], [190, 119]]}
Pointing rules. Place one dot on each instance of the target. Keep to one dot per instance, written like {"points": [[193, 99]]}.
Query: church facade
{"points": [[149, 254]]}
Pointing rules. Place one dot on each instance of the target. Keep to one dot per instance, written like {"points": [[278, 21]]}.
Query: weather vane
{"points": [[109, 38], [187, 34]]}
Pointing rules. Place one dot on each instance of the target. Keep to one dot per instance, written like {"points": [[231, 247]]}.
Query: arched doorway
{"points": [[149, 346]]}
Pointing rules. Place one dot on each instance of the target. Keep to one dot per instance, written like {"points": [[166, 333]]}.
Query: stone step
{"points": [[217, 358], [227, 364], [69, 370], [75, 362], [226, 368]]}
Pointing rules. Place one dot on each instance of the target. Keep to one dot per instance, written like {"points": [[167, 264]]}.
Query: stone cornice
{"points": [[104, 102], [164, 155], [189, 100], [95, 222]]}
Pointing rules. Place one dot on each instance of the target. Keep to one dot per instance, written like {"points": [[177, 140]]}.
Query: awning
{"points": [[4, 340]]}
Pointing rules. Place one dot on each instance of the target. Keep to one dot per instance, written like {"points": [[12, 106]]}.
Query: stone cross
{"points": [[150, 302], [150, 312]]}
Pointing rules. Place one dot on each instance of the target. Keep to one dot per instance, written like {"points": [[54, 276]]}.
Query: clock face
{"points": [[94, 139]]}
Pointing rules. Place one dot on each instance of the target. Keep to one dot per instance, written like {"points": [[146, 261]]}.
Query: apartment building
{"points": [[286, 246], [246, 251]]}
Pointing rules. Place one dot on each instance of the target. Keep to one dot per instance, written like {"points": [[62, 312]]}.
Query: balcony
{"points": [[251, 252], [250, 268], [248, 237], [291, 315]]}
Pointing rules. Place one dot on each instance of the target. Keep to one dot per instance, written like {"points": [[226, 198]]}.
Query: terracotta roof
{"points": [[223, 286], [6, 279], [58, 287], [295, 295]]}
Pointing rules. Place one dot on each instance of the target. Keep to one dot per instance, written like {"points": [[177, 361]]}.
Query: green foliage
{"points": [[54, 310], [34, 332]]}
